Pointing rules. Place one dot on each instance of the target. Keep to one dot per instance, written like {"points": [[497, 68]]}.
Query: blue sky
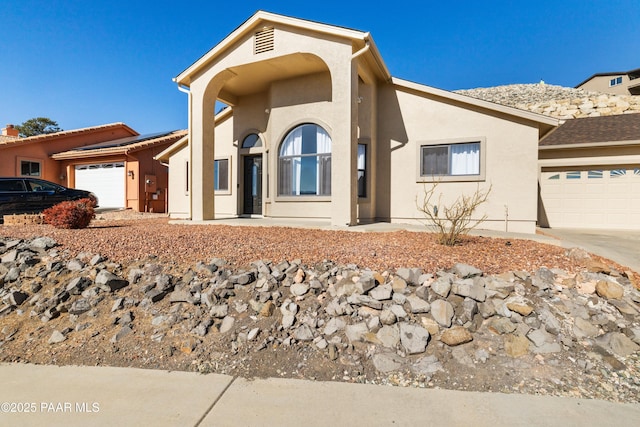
{"points": [[85, 63]]}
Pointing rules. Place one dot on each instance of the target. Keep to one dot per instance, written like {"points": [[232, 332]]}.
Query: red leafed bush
{"points": [[70, 214]]}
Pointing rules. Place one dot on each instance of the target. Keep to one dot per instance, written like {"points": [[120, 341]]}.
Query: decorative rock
{"points": [[427, 366], [79, 306], [413, 338], [442, 286], [467, 288], [56, 337], [465, 271], [299, 289], [381, 292], [609, 290], [109, 282], [303, 333], [123, 332], [387, 317], [442, 312], [389, 336], [456, 336], [387, 362], [16, 298], [621, 345], [398, 284], [334, 325], [219, 311], [267, 309], [521, 309], [356, 331], [77, 285], [227, 324], [398, 311], [502, 325], [582, 328], [418, 305], [516, 345], [430, 325], [539, 337]]}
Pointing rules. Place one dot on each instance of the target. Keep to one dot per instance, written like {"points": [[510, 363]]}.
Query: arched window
{"points": [[251, 140], [305, 162]]}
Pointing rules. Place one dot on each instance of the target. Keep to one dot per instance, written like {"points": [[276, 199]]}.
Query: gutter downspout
{"points": [[362, 51], [185, 89]]}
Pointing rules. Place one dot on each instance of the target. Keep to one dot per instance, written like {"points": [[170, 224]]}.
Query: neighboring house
{"points": [[9, 133], [620, 83], [590, 174], [113, 161], [317, 128]]}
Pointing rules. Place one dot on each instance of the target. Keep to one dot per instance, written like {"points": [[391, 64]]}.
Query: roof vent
{"points": [[263, 41]]}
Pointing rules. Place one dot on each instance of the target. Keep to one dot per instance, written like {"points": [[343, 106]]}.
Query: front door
{"points": [[253, 185]]}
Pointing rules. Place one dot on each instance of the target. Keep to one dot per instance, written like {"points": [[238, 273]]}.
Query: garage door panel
{"points": [[598, 198], [105, 180]]}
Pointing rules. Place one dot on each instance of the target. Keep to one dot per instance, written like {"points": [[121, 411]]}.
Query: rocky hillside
{"points": [[557, 101]]}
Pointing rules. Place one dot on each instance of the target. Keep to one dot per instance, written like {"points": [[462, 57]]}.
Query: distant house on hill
{"points": [[616, 82]]}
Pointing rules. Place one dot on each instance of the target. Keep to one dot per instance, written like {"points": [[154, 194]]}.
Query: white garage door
{"points": [[105, 180], [593, 198]]}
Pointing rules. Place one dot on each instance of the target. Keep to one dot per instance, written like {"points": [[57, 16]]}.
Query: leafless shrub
{"points": [[454, 220]]}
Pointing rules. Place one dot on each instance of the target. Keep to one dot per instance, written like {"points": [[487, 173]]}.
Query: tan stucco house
{"points": [[615, 82], [316, 127], [590, 174], [113, 161]]}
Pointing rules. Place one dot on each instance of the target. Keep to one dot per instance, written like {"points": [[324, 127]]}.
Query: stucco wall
{"points": [[407, 118], [178, 193]]}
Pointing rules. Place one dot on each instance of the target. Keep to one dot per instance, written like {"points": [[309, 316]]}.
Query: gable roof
{"points": [[589, 131], [121, 146], [548, 123], [635, 73], [65, 133], [258, 20]]}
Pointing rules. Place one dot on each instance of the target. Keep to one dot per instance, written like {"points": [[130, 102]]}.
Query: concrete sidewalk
{"points": [[101, 396]]}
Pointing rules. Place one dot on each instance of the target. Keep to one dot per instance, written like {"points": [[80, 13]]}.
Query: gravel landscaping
{"points": [[134, 237]]}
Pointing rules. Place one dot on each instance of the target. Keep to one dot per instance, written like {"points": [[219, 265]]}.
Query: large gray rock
{"points": [[387, 362], [334, 325], [109, 282], [584, 329], [381, 292], [413, 338], [79, 306], [442, 312], [621, 345], [469, 288], [303, 333], [442, 286], [356, 331], [418, 305], [465, 271], [389, 336]]}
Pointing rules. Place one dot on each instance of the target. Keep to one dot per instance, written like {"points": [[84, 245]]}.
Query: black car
{"points": [[31, 195]]}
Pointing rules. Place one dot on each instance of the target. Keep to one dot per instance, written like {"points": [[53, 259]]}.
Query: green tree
{"points": [[37, 126]]}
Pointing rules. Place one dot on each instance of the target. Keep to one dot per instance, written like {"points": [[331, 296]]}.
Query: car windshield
{"points": [[42, 186]]}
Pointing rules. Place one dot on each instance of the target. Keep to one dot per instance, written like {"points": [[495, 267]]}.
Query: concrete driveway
{"points": [[621, 246]]}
